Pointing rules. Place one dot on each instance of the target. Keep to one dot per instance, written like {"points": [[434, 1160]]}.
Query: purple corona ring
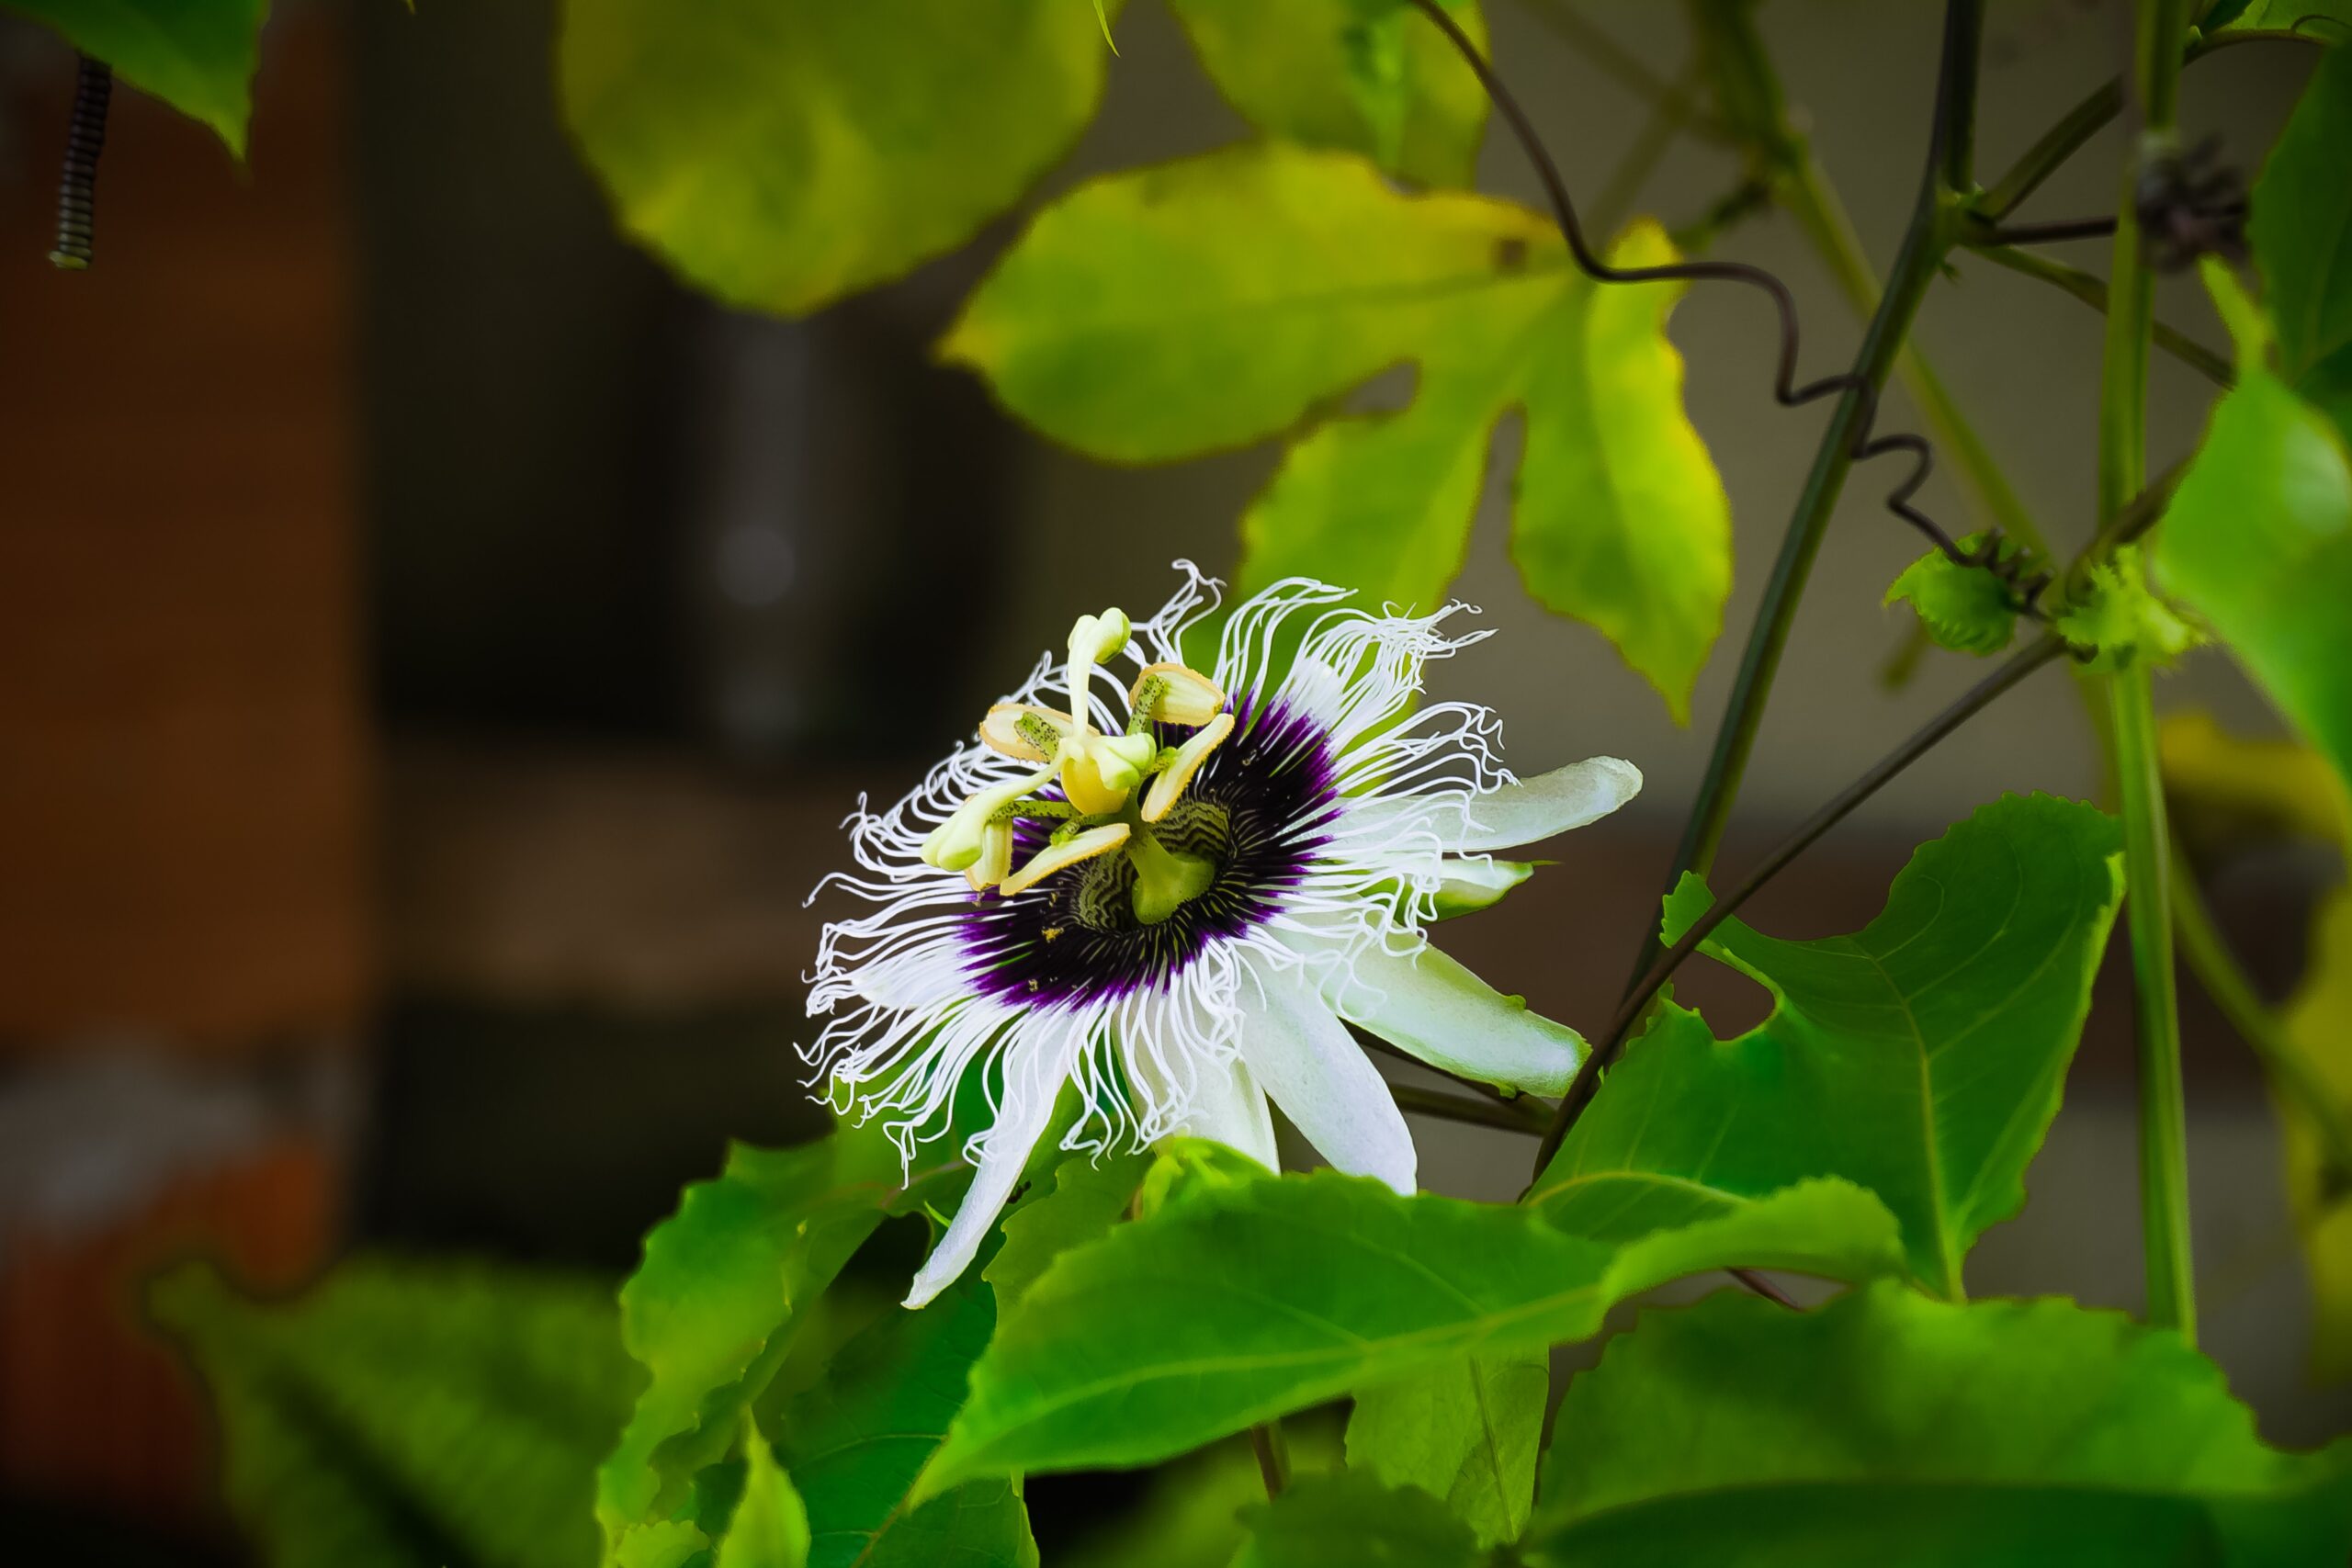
{"points": [[1173, 893]]}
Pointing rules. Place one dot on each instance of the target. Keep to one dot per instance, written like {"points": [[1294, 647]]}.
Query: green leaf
{"points": [[410, 1416], [857, 1440], [770, 1526], [1089, 1197], [1236, 1304], [1964, 608], [782, 153], [1224, 299], [1887, 1427], [2116, 621], [1351, 1520], [2302, 232], [2258, 539], [195, 55], [1921, 1057], [1366, 76], [1466, 1430], [2322, 21], [1190, 1510], [711, 1309]]}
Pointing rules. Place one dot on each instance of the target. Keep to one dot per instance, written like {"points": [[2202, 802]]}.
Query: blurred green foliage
{"points": [[410, 1415]]}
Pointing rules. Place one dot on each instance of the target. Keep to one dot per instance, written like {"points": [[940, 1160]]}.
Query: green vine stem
{"points": [[1926, 242], [2290, 1067], [2122, 469], [2092, 291]]}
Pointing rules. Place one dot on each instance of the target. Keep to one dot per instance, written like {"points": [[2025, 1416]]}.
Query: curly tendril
{"points": [[2011, 569]]}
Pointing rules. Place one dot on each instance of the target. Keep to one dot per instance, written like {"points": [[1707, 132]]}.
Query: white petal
{"points": [[1324, 1082], [1433, 1006], [1229, 1106], [1523, 813], [1034, 1073]]}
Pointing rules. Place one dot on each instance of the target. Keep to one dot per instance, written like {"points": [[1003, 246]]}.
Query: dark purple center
{"points": [[1252, 810]]}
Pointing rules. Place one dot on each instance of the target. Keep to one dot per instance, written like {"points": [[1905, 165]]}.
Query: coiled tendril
{"points": [[2010, 567]]}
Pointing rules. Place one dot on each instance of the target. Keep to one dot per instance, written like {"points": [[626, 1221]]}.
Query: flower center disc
{"points": [[1252, 813]]}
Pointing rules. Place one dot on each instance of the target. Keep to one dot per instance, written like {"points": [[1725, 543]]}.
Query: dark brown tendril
{"points": [[2015, 570]]}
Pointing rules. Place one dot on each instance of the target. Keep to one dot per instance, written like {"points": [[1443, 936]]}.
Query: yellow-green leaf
{"points": [[1367, 76], [781, 153], [1224, 299]]}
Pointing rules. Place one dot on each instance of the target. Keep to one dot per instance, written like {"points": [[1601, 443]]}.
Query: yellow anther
{"points": [[1168, 787], [1056, 857], [956, 843], [996, 856], [1186, 697], [1002, 731]]}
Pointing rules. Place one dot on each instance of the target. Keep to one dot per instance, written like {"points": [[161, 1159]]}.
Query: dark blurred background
{"points": [[437, 650]]}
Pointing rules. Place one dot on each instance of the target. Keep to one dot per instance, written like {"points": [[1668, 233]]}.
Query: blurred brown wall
{"points": [[183, 795], [181, 773]]}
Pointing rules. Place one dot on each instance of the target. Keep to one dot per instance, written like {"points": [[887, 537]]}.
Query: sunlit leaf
{"points": [[1964, 608], [855, 1443], [1464, 1430], [1236, 1304], [195, 55], [2258, 538], [1365, 76], [1351, 1520], [1921, 1057], [770, 1526], [1886, 1428], [411, 1416], [781, 153], [1089, 1196], [2114, 621], [2302, 211], [711, 1309], [1224, 299]]}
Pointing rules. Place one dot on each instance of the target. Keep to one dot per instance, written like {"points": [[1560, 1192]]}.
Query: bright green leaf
{"points": [[195, 55], [1365, 76], [1089, 1197], [410, 1416], [1351, 1520], [673, 1543], [1191, 1511], [856, 1442], [2258, 541], [1236, 1304], [1224, 299], [2302, 232], [1921, 1057], [1885, 1428], [770, 1526], [711, 1309], [1964, 608], [1464, 1430], [782, 153], [2116, 621]]}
